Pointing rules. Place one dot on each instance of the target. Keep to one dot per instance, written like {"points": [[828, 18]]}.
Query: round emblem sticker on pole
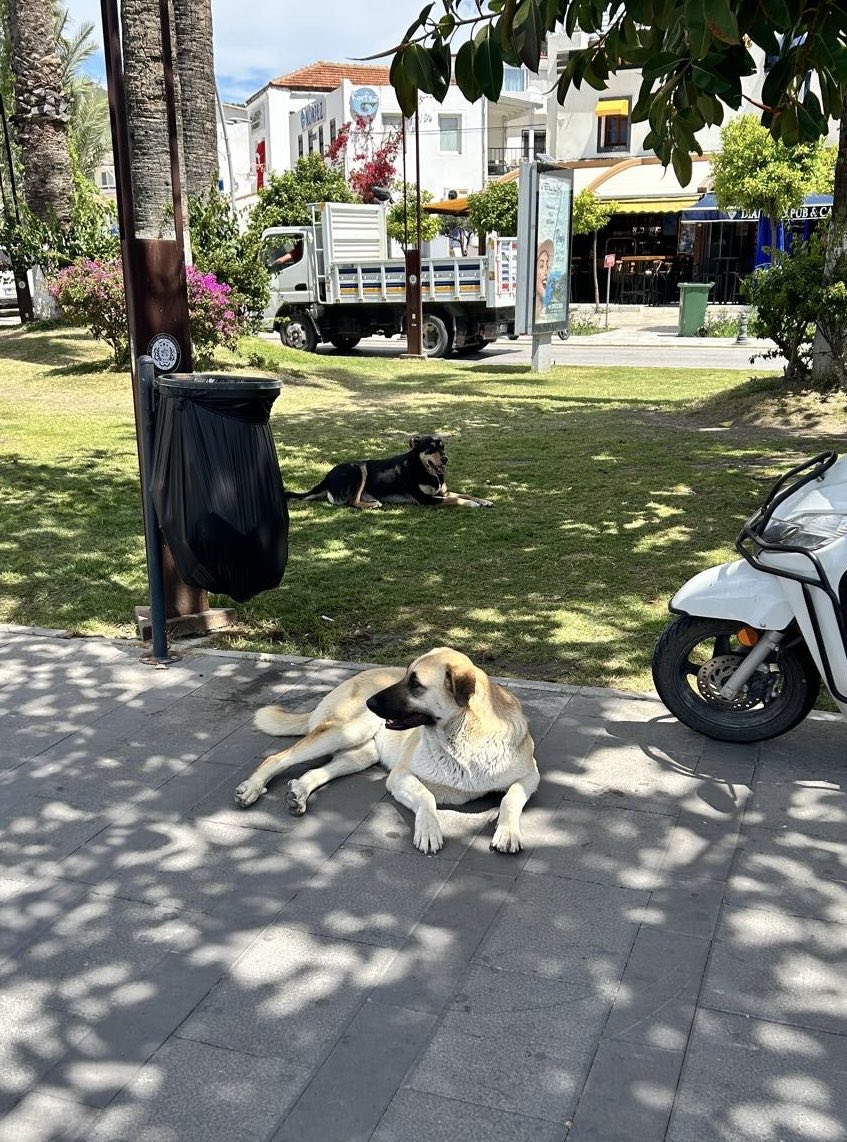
{"points": [[165, 352]]}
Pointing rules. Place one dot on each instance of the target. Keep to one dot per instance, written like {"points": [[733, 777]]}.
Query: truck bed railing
{"points": [[447, 278]]}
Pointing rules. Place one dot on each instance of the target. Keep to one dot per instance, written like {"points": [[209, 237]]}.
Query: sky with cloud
{"points": [[256, 40]]}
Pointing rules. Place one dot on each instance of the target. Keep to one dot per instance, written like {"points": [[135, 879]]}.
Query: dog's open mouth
{"points": [[409, 721]]}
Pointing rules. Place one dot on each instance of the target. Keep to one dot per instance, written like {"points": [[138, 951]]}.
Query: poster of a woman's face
{"points": [[543, 264]]}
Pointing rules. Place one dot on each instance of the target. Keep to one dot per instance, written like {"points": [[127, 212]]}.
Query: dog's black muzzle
{"points": [[392, 705]]}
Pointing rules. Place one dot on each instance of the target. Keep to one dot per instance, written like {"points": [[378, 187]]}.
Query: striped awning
{"points": [[654, 205]]}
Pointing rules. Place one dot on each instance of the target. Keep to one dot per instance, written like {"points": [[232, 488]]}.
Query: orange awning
{"points": [[460, 205]]}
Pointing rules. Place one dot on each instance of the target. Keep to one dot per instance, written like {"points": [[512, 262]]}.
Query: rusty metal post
{"points": [[414, 296], [156, 291]]}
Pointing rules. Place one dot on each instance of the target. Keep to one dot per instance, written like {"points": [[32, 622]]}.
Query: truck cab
{"points": [[289, 257]]}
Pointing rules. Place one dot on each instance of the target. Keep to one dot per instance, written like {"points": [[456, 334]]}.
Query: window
{"points": [[107, 180], [312, 141], [562, 62], [450, 133], [333, 132], [321, 139], [394, 123], [612, 125], [514, 79], [299, 146], [539, 143]]}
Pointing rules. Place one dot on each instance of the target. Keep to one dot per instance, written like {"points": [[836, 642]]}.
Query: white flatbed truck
{"points": [[340, 285]]}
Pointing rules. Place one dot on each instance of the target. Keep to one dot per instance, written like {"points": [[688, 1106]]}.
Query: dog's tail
{"points": [[281, 723], [315, 493]]}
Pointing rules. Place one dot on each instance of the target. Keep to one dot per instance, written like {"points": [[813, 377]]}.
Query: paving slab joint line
{"points": [[296, 660]]}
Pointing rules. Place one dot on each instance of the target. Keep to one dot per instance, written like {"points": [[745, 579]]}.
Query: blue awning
{"points": [[706, 210]]}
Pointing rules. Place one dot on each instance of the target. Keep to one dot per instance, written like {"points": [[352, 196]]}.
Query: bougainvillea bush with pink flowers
{"points": [[91, 293]]}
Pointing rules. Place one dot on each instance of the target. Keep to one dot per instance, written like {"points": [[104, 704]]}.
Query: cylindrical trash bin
{"points": [[693, 299], [216, 483]]}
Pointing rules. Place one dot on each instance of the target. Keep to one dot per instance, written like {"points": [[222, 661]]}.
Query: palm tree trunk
{"points": [[41, 110], [196, 68], [145, 99]]}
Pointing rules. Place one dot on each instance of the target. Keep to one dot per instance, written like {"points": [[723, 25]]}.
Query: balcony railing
{"points": [[501, 160]]}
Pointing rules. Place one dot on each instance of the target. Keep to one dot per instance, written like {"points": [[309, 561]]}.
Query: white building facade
{"points": [[462, 145]]}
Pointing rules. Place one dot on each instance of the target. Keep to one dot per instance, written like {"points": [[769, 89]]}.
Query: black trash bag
{"points": [[216, 484]]}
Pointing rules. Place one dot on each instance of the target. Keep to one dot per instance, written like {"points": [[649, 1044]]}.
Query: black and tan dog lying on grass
{"points": [[414, 477], [444, 731]]}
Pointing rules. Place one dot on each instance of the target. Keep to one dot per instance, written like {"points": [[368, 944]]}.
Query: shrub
{"points": [[583, 323], [720, 324], [91, 293], [212, 319], [787, 298]]}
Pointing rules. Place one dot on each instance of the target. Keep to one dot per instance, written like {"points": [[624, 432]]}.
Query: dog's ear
{"points": [[461, 684], [414, 441]]}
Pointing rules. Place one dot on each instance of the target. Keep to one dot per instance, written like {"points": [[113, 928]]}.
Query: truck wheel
{"points": [[345, 343], [437, 338], [299, 333]]}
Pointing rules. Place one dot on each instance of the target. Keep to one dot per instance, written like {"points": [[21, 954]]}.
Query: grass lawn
{"points": [[611, 487]]}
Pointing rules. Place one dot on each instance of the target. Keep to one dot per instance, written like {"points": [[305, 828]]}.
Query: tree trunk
{"points": [[41, 110], [196, 67], [148, 125], [596, 280], [836, 249]]}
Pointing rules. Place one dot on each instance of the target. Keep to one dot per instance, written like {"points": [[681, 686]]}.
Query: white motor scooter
{"points": [[744, 659]]}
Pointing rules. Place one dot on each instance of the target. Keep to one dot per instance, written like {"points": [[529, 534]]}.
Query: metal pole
{"points": [[155, 565], [25, 306], [414, 297], [228, 151], [405, 194]]}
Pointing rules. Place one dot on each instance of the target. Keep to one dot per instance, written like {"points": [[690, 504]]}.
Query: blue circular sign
{"points": [[364, 102]]}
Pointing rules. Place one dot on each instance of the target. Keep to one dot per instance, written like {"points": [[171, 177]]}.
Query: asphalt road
{"points": [[631, 348]]}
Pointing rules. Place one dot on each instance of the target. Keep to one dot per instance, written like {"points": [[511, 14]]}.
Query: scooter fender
{"points": [[735, 591]]}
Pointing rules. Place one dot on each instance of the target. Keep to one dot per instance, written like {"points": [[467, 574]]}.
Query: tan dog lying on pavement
{"points": [[444, 731]]}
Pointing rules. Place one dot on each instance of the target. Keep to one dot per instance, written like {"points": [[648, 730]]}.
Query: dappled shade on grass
{"points": [[609, 492]]}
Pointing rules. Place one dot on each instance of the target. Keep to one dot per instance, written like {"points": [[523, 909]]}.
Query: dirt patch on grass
{"points": [[773, 404]]}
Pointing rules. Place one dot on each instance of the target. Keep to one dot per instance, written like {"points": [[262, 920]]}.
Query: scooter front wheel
{"points": [[695, 657]]}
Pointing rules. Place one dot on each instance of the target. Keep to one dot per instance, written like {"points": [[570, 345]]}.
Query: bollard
{"points": [[743, 318]]}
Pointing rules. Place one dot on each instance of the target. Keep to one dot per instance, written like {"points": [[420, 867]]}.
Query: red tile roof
{"points": [[323, 76]]}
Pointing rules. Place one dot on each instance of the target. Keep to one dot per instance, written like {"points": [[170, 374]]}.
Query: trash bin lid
{"points": [[211, 385]]}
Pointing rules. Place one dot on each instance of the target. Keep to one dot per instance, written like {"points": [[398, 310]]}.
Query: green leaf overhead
{"points": [[488, 63]]}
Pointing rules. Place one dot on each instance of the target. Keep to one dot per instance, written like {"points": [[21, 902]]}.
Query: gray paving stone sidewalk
{"points": [[665, 960]]}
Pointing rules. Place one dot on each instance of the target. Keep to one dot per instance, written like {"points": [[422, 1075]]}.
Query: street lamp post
{"points": [[414, 299]]}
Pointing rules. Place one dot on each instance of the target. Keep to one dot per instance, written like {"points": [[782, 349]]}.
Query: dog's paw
{"points": [[506, 839], [484, 504], [248, 792], [428, 836], [296, 799]]}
